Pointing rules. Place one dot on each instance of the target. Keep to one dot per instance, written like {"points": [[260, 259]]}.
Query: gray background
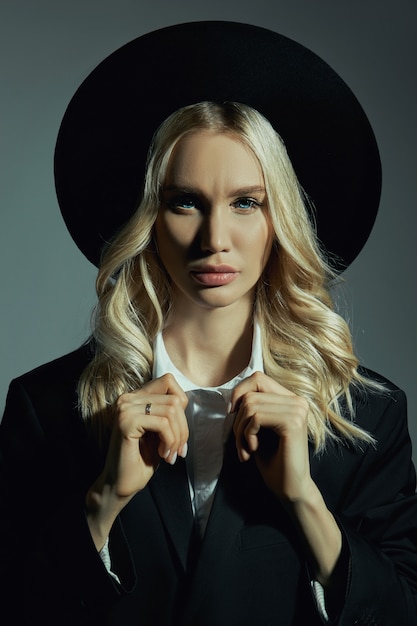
{"points": [[46, 50]]}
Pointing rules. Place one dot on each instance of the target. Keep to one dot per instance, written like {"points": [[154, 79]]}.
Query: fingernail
{"points": [[167, 453], [229, 407], [184, 450], [174, 458]]}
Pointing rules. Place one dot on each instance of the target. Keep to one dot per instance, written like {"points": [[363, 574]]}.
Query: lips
{"points": [[214, 276]]}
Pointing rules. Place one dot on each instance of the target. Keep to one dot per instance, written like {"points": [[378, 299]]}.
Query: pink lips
{"points": [[215, 275]]}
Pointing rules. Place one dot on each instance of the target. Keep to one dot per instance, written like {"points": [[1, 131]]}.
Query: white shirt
{"points": [[209, 424]]}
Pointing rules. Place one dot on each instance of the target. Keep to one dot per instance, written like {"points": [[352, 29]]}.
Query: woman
{"points": [[237, 467], [212, 209]]}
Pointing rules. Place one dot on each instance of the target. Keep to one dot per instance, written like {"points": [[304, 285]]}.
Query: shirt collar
{"points": [[164, 365]]}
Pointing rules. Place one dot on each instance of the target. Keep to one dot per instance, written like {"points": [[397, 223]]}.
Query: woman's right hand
{"points": [[138, 442]]}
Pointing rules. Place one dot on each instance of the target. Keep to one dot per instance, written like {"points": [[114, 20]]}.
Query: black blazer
{"points": [[250, 568]]}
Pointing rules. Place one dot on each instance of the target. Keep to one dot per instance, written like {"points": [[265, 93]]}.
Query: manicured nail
{"points": [[229, 407], [167, 453], [184, 450], [174, 458]]}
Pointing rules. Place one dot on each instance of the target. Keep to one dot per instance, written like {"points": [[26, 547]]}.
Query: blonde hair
{"points": [[306, 344]]}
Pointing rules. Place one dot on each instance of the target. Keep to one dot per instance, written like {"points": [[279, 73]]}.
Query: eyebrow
{"points": [[242, 191]]}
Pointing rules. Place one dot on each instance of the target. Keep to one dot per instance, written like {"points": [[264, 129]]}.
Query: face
{"points": [[212, 230]]}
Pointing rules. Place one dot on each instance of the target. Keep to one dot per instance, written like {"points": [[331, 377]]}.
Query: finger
{"points": [[173, 412], [162, 414], [166, 385], [245, 414], [136, 427], [247, 441], [285, 415], [250, 403], [257, 382]]}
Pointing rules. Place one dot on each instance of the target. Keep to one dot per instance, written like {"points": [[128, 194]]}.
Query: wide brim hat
{"points": [[105, 133]]}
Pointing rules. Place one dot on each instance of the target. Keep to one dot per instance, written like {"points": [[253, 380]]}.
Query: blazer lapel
{"points": [[226, 516], [169, 489], [225, 521]]}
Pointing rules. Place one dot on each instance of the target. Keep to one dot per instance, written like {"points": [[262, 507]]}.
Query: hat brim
{"points": [[105, 133]]}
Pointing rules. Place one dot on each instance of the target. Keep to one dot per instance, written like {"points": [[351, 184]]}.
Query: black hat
{"points": [[107, 128]]}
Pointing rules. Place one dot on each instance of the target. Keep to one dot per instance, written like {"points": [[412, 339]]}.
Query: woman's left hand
{"points": [[262, 403]]}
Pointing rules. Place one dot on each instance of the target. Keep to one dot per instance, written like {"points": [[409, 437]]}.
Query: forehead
{"points": [[215, 156]]}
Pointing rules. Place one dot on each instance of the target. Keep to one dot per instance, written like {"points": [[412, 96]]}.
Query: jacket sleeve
{"points": [[379, 523], [50, 570]]}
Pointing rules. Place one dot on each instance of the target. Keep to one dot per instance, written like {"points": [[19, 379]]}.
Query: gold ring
{"points": [[148, 408]]}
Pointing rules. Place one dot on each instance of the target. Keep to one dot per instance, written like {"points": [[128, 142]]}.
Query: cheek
{"points": [[172, 240], [164, 235], [259, 241]]}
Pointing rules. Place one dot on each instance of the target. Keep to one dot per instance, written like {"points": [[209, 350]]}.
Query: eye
{"points": [[186, 203], [182, 203], [246, 204]]}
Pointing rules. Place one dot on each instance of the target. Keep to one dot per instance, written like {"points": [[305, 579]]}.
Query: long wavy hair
{"points": [[306, 345]]}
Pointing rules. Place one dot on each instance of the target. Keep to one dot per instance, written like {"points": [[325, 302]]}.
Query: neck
{"points": [[212, 347]]}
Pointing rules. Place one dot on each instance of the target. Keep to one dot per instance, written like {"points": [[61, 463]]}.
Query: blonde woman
{"points": [[214, 454]]}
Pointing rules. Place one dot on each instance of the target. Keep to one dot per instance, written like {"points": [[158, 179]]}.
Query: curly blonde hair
{"points": [[306, 344]]}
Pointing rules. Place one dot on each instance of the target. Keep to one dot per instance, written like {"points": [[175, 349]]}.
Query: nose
{"points": [[215, 236]]}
